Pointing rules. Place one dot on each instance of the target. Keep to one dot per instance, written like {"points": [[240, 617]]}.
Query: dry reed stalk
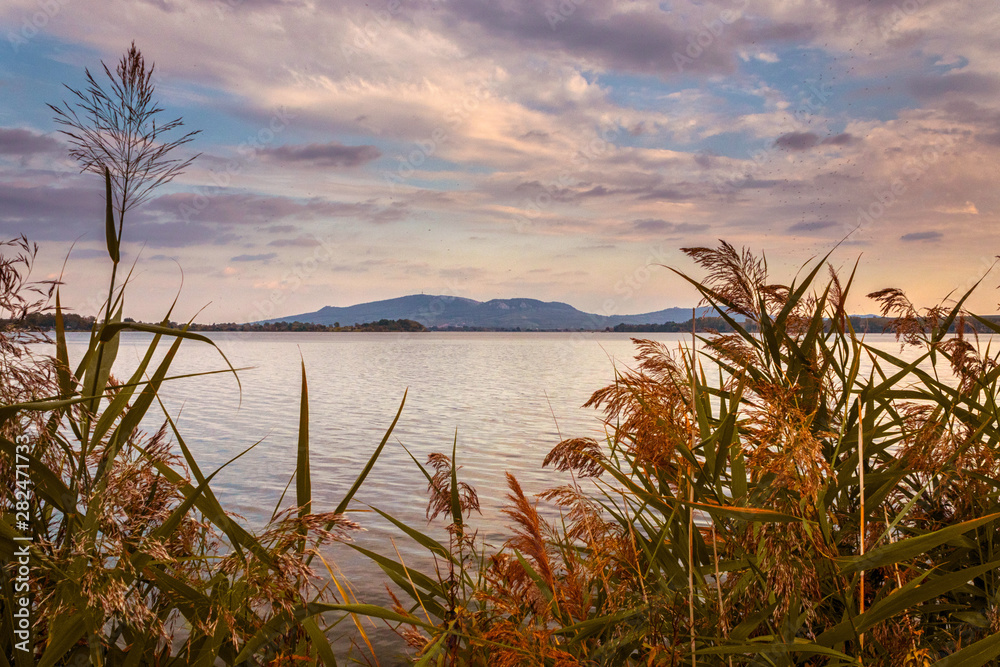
{"points": [[635, 555], [691, 496], [413, 586], [861, 484], [718, 589], [346, 594], [899, 581]]}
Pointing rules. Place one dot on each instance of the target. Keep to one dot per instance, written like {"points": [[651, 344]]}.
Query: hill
{"points": [[440, 311]]}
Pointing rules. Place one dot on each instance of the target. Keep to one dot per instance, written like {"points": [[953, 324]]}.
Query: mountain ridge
{"points": [[443, 311]]}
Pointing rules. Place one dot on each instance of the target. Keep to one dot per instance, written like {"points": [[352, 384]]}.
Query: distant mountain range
{"points": [[452, 311]]}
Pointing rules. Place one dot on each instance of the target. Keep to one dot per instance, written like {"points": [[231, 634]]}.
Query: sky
{"points": [[563, 150]]}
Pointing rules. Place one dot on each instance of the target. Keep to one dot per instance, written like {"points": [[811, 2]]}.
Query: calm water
{"points": [[508, 397]]}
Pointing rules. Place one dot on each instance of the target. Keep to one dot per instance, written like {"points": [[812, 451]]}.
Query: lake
{"points": [[507, 397]]}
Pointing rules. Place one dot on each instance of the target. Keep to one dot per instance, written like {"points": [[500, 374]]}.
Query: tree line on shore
{"points": [[74, 322], [861, 325]]}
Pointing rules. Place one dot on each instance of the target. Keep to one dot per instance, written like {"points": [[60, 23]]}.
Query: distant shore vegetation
{"points": [[861, 325], [73, 322]]}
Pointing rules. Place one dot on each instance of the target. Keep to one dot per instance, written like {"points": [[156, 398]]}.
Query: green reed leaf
{"points": [[303, 487], [903, 550], [109, 220]]}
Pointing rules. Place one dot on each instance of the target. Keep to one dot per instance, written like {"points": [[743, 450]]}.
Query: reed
{"points": [[785, 481]]}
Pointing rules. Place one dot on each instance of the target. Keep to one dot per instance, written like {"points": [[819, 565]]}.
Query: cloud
{"points": [[704, 160], [243, 209], [266, 257], [922, 236], [802, 141], [656, 225], [814, 226], [755, 183], [299, 242], [90, 253], [842, 139], [635, 40], [54, 213], [536, 135], [797, 141], [596, 191], [968, 208], [667, 194], [331, 154], [966, 83], [50, 213], [394, 212], [847, 5], [991, 138], [652, 225], [176, 234], [22, 143]]}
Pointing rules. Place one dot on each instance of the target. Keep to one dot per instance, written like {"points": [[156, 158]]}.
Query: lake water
{"points": [[509, 397]]}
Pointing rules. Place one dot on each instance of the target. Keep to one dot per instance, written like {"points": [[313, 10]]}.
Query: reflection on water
{"points": [[507, 397]]}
